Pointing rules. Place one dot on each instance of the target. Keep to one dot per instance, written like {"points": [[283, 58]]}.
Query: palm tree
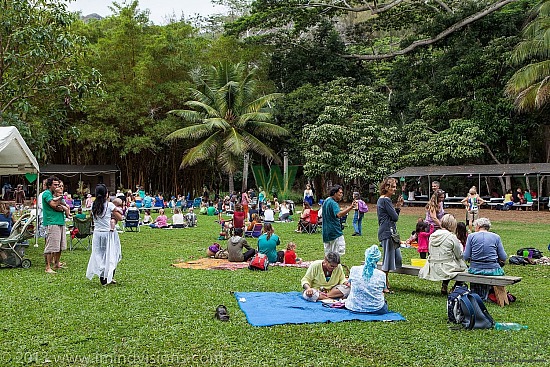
{"points": [[227, 118], [530, 86]]}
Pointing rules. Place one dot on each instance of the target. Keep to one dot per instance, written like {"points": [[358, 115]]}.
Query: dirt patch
{"points": [[518, 216]]}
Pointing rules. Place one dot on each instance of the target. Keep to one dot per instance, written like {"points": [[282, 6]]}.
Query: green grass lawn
{"points": [[161, 315]]}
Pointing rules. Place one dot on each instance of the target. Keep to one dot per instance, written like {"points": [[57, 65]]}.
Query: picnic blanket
{"points": [[269, 308], [209, 263]]}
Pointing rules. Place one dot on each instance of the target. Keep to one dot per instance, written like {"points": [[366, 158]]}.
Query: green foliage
{"points": [[274, 182], [313, 59], [459, 86], [40, 78], [352, 137], [530, 86], [227, 117]]}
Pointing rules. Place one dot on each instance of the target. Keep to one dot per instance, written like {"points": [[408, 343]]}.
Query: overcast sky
{"points": [[159, 9]]}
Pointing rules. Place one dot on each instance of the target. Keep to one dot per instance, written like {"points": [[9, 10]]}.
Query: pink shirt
{"points": [[423, 239], [162, 221]]}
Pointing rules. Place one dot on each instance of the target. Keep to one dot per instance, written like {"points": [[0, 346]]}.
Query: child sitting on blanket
{"points": [[290, 254], [147, 219], [118, 207]]}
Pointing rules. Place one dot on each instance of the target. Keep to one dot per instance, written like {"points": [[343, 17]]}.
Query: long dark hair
{"points": [[98, 207], [268, 230]]}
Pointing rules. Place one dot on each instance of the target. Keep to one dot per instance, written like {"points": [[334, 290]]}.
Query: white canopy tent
{"points": [[15, 156]]}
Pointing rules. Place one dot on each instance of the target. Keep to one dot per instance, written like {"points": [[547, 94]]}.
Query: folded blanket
{"points": [[269, 308]]}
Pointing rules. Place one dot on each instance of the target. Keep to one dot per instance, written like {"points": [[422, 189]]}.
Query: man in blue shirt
{"points": [[333, 237]]}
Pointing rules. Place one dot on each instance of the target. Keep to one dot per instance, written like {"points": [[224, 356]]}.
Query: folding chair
{"points": [[131, 221], [311, 227], [255, 232], [82, 231], [197, 202]]}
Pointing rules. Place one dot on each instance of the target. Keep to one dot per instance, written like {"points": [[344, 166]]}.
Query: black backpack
{"points": [[531, 251], [467, 308]]}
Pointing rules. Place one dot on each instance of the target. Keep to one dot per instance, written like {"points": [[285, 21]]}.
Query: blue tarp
{"points": [[270, 308]]}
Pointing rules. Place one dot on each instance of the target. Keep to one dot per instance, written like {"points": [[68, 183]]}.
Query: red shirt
{"points": [[238, 219], [290, 257]]}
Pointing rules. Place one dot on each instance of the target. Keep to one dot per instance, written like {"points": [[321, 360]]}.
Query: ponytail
{"points": [[98, 207]]}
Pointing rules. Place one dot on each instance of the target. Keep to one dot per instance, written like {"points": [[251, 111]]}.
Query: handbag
{"points": [[259, 262], [395, 239]]}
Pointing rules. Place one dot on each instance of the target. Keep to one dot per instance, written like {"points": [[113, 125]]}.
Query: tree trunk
{"points": [[245, 172], [231, 183]]}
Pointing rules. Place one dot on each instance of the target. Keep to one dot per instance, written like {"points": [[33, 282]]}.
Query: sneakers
{"points": [[221, 313]]}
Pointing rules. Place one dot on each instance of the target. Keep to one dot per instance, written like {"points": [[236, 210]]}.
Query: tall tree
{"points": [[352, 138], [40, 77], [227, 118], [530, 86], [407, 25]]}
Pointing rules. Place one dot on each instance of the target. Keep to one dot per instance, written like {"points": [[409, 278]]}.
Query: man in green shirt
{"points": [[333, 237], [54, 221]]}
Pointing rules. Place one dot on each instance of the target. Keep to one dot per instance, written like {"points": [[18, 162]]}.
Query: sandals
{"points": [[221, 313], [388, 291], [61, 266]]}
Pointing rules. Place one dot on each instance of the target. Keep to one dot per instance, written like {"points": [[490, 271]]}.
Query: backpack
{"points": [[467, 308], [259, 262], [221, 254], [531, 252]]}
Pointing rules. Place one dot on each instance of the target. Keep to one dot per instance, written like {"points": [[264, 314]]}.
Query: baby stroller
{"points": [[12, 248]]}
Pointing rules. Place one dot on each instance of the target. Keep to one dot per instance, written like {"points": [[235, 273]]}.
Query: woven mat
{"points": [[209, 263]]}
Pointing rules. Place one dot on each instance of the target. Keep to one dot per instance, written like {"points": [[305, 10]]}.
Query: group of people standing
{"points": [[106, 249]]}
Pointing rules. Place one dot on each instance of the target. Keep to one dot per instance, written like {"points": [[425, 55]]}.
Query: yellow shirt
{"points": [[315, 276]]}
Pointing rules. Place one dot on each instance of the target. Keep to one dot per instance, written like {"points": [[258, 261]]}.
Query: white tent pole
{"points": [[36, 225], [479, 183]]}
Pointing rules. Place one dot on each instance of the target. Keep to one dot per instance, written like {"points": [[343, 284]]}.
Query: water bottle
{"points": [[509, 326]]}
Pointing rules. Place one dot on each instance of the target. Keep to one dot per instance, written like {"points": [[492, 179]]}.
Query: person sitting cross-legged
{"points": [[235, 246], [367, 285], [325, 279]]}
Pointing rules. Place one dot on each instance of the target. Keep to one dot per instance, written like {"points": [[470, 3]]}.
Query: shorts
{"points": [[338, 245], [473, 215], [56, 240]]}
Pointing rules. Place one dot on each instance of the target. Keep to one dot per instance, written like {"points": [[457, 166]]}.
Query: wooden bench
{"points": [[527, 206], [498, 282]]}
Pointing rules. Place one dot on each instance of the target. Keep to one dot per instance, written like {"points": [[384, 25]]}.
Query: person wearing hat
{"points": [[120, 195], [367, 285]]}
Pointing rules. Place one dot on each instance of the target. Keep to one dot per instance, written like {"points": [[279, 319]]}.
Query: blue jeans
{"points": [[358, 222]]}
